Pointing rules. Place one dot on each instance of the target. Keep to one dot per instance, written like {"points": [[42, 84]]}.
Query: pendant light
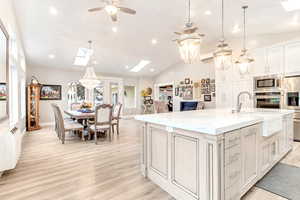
{"points": [[90, 80], [189, 43], [223, 54], [244, 61]]}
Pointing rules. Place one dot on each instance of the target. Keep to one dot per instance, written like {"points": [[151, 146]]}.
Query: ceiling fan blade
{"points": [[127, 10], [190, 30], [178, 33], [95, 9], [114, 18]]}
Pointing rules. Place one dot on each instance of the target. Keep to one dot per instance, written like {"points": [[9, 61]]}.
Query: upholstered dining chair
{"points": [[160, 107], [116, 117], [103, 120], [62, 126]]}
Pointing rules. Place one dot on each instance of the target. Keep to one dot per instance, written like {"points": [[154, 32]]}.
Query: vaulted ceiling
{"points": [[62, 34]]}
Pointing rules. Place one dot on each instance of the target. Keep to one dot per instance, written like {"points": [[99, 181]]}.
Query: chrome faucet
{"points": [[239, 104]]}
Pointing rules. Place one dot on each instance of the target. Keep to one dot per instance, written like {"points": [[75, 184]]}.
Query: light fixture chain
{"points": [[189, 17], [223, 37], [245, 7]]}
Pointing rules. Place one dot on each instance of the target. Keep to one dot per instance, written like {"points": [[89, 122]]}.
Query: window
{"points": [[14, 96], [129, 96], [23, 97], [76, 93], [114, 90], [99, 95]]}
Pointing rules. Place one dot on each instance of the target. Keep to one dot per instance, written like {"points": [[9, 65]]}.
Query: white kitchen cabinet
{"points": [[292, 58], [274, 60], [249, 142], [259, 64]]}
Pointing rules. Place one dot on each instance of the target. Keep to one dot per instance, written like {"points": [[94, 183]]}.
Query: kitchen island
{"points": [[213, 154]]}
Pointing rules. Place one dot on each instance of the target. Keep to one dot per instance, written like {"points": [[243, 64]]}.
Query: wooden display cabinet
{"points": [[33, 107]]}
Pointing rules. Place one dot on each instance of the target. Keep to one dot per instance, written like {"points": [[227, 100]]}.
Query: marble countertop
{"points": [[213, 121]]}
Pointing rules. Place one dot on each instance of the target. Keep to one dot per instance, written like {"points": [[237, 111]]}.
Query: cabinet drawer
{"points": [[232, 139], [232, 155]]}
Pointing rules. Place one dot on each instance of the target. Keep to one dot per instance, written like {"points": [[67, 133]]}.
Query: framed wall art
{"points": [[50, 92]]}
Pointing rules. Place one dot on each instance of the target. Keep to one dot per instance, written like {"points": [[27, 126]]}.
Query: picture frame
{"points": [[207, 98], [3, 92], [187, 81], [147, 98], [176, 91], [50, 92]]}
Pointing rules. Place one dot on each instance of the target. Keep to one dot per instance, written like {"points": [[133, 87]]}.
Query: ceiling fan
{"points": [[112, 8]]}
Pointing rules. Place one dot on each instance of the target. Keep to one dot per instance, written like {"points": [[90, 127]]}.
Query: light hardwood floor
{"points": [[81, 170]]}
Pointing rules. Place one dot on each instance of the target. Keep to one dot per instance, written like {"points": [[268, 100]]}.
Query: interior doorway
{"points": [[165, 93]]}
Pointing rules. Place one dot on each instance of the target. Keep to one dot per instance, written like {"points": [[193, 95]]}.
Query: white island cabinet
{"points": [[211, 154]]}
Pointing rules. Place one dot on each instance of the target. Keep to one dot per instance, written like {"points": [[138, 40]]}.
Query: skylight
{"points": [[290, 5], [83, 56], [140, 66]]}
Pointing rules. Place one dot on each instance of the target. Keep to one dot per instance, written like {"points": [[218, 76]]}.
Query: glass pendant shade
{"points": [[223, 56], [244, 62], [89, 80], [189, 47]]}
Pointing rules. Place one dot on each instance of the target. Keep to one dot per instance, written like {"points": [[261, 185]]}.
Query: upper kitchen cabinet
{"points": [[292, 58], [259, 65], [274, 60]]}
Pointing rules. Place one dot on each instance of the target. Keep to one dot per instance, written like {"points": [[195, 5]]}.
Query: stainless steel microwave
{"points": [[267, 83]]}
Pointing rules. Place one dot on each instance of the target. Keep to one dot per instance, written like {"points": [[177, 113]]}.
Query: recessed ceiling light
{"points": [[236, 29], [208, 12], [53, 10], [140, 66], [154, 41], [290, 5], [152, 69], [51, 56], [114, 29]]}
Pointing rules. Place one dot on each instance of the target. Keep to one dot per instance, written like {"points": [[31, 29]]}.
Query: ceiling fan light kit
{"points": [[223, 53], [112, 8]]}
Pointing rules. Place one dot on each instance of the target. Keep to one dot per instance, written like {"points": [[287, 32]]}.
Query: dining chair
{"points": [[160, 107], [103, 120], [116, 117], [56, 121], [63, 125]]}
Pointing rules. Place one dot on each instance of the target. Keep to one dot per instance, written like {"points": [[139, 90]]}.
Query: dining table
{"points": [[79, 115]]}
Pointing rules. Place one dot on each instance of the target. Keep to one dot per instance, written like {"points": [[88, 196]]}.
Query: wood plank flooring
{"points": [[81, 170]]}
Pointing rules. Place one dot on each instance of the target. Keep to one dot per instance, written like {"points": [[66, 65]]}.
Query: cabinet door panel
{"points": [[159, 151], [265, 157], [292, 58], [249, 152], [185, 162], [259, 66], [275, 60]]}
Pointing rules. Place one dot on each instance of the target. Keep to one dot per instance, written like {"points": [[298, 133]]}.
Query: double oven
{"points": [[268, 92], [277, 92]]}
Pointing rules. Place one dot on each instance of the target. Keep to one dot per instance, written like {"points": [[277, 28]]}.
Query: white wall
{"points": [[62, 77], [180, 71], [7, 15]]}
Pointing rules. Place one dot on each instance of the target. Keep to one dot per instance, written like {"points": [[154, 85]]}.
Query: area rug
{"points": [[283, 180]]}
